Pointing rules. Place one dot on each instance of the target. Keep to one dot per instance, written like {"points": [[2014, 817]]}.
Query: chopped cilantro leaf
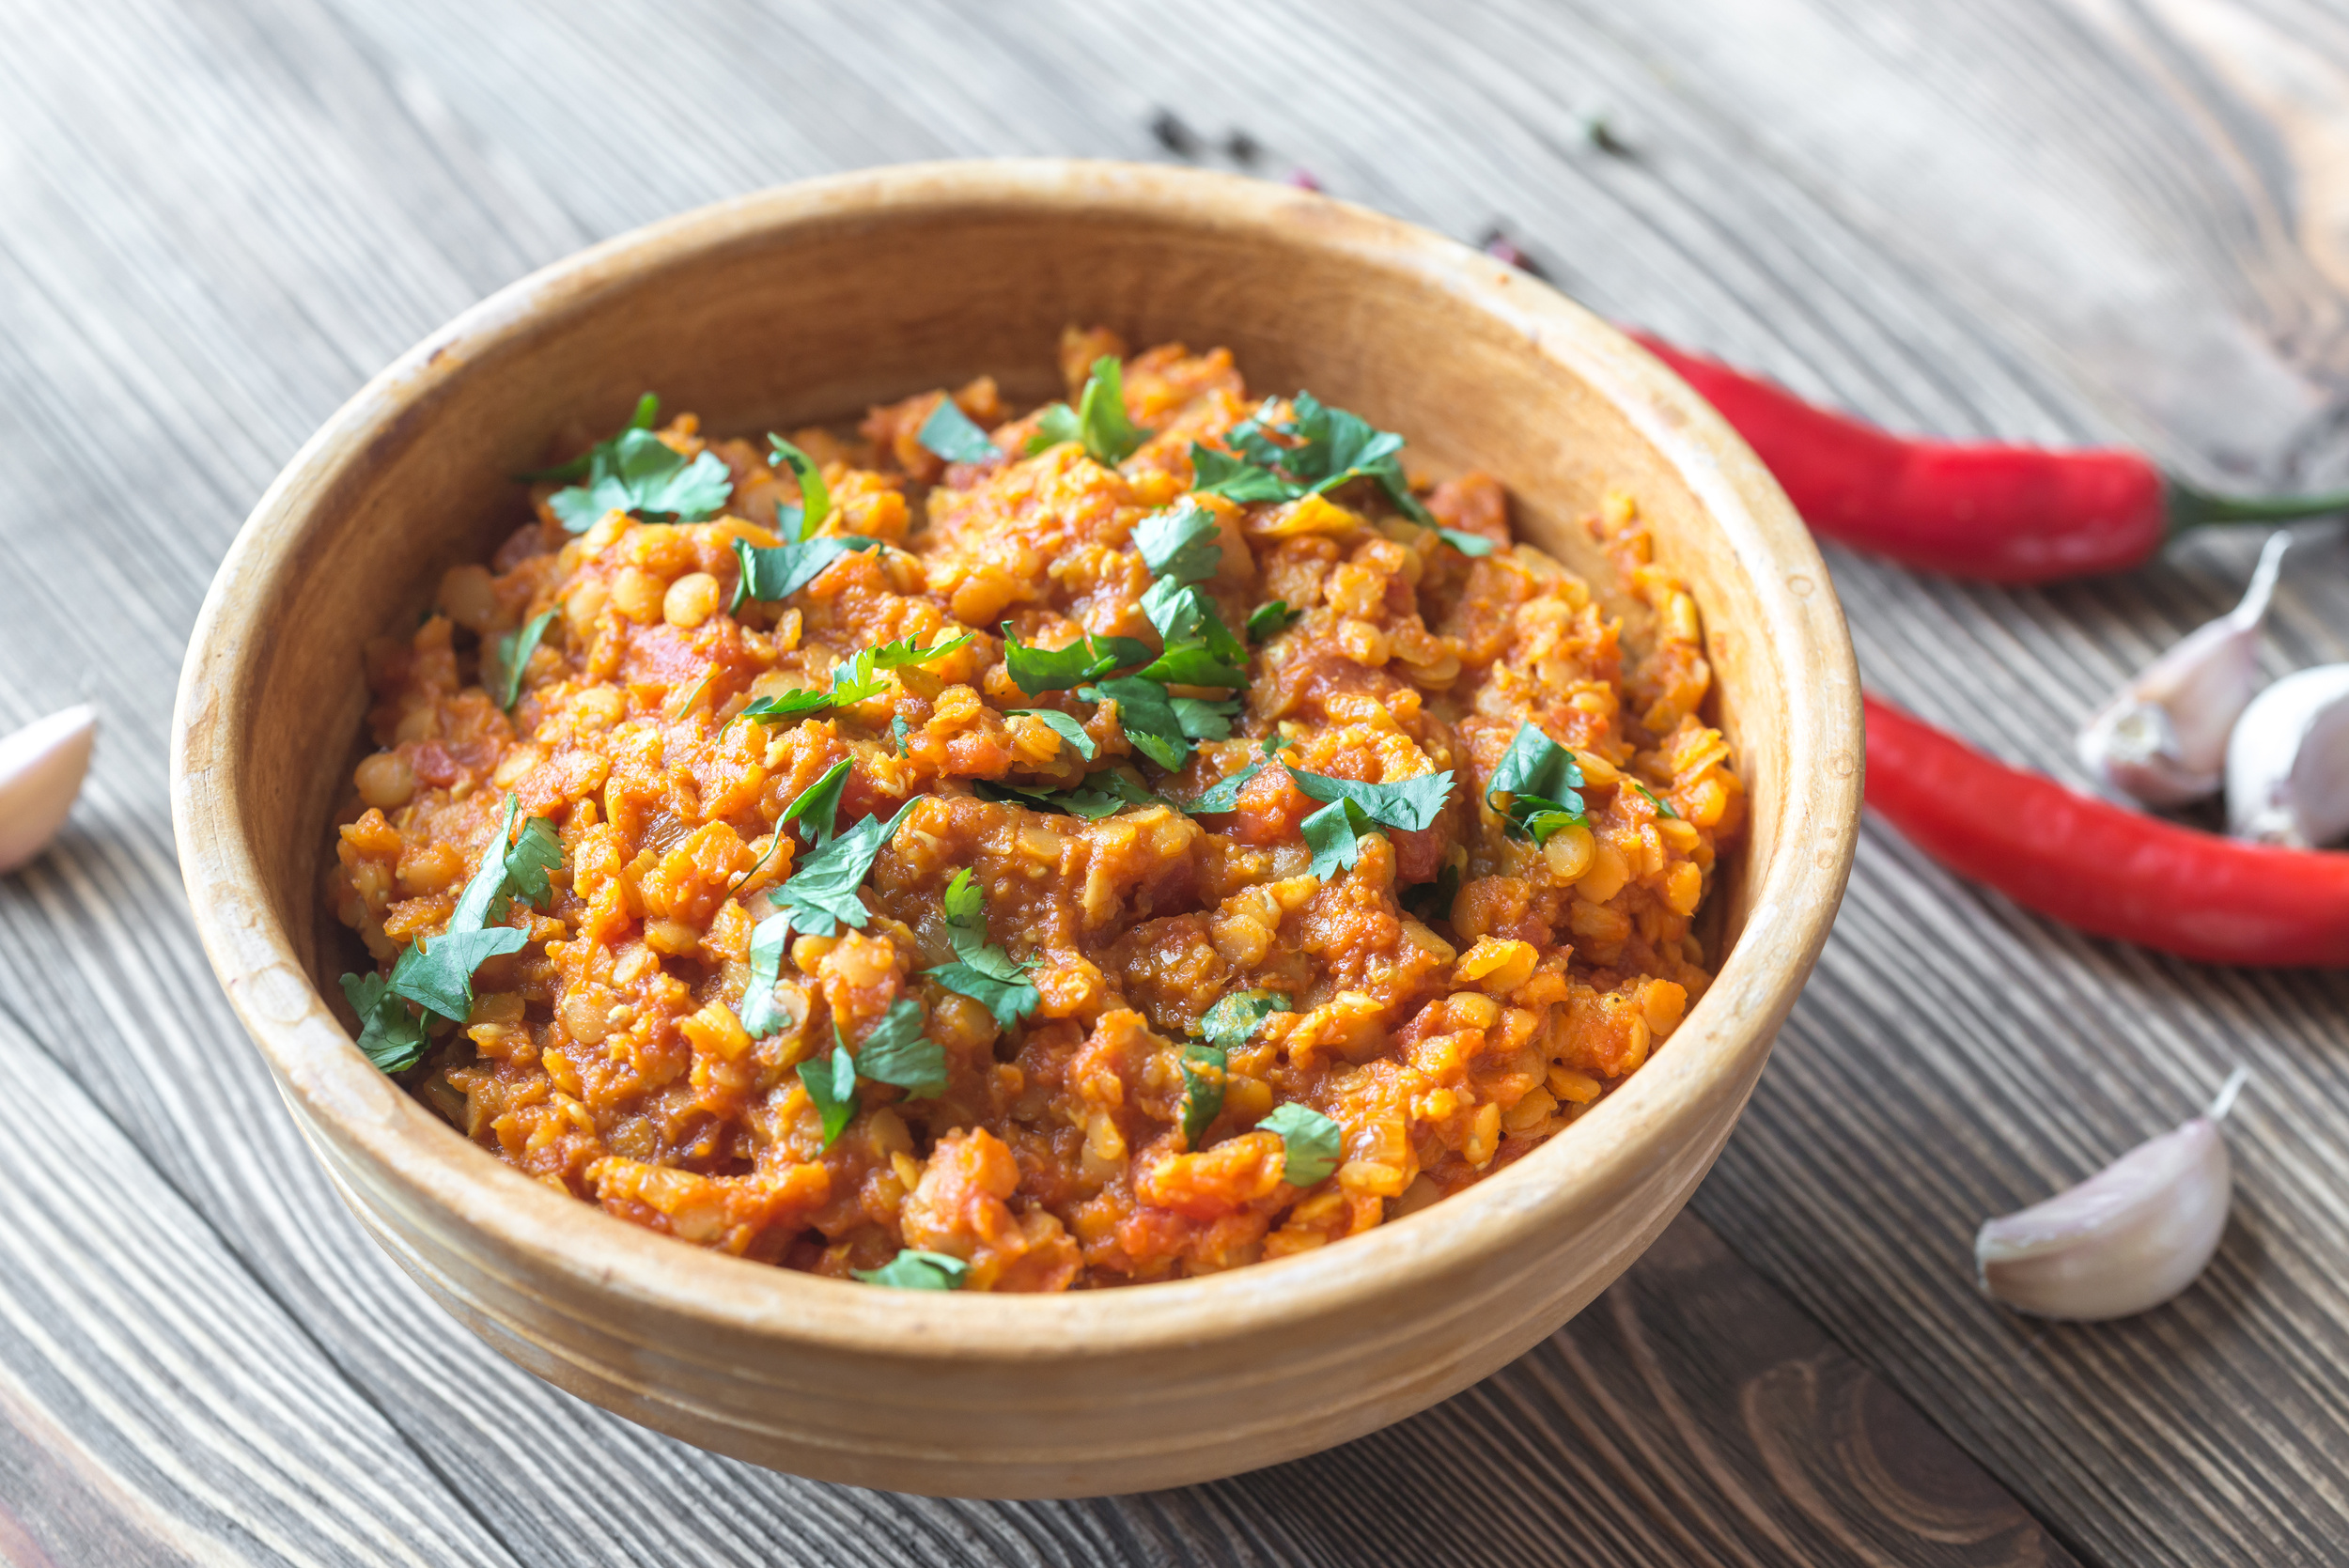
{"points": [[896, 1051], [1061, 725], [950, 433], [1147, 716], [1233, 1020], [772, 574], [794, 704], [1271, 619], [437, 973], [513, 657], [1467, 543], [1103, 794], [536, 851], [1194, 664], [1409, 804], [1036, 670], [1543, 781], [1330, 447], [1180, 543], [818, 803], [820, 894], [814, 504], [1226, 795], [1215, 473], [760, 1015], [638, 472], [832, 1085], [648, 414], [1186, 619], [1331, 834], [982, 970], [1309, 1142], [391, 1036], [1204, 1068], [897, 728], [916, 1269], [1663, 807], [1202, 719], [1099, 419], [904, 651]]}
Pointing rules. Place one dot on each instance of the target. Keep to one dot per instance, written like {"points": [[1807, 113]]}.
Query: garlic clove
{"points": [[2288, 762], [42, 767], [2126, 1239], [2162, 739]]}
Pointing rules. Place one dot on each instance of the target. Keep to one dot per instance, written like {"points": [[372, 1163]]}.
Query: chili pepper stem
{"points": [[2189, 507]]}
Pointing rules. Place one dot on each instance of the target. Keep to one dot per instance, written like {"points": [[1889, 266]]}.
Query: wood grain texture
{"points": [[2040, 219]]}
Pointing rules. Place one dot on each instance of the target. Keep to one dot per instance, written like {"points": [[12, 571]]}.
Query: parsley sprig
{"points": [[1322, 449], [1544, 784], [953, 435], [820, 894], [436, 972], [982, 969], [774, 573], [1310, 1143], [511, 656], [807, 514], [1332, 832], [916, 1270], [639, 473], [1098, 421], [854, 680]]}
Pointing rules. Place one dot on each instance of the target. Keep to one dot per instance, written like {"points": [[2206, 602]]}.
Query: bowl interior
{"points": [[766, 328]]}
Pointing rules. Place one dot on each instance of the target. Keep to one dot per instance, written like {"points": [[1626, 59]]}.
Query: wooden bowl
{"points": [[806, 304]]}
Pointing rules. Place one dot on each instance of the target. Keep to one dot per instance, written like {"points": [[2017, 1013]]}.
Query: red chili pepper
{"points": [[2100, 867], [1998, 513]]}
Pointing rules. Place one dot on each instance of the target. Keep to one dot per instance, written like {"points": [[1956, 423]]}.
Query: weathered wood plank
{"points": [[2027, 218]]}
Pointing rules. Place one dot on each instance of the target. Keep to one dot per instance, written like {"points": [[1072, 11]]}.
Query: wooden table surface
{"points": [[2094, 220]]}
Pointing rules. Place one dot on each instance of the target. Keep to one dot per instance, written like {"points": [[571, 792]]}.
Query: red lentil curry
{"points": [[1119, 842]]}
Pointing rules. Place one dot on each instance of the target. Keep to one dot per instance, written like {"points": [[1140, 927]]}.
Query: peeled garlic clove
{"points": [[2288, 763], [2126, 1239], [2162, 739], [41, 767]]}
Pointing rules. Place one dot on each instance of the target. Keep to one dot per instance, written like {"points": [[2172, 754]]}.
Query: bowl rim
{"points": [[1608, 1151]]}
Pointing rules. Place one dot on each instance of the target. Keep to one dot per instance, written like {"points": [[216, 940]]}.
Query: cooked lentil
{"points": [[608, 1059]]}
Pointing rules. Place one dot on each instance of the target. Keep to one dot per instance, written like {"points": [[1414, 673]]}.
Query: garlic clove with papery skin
{"points": [[2162, 739], [42, 767], [2126, 1239], [2288, 762]]}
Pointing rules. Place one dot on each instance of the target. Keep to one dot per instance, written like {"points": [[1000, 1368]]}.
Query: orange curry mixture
{"points": [[608, 1057]]}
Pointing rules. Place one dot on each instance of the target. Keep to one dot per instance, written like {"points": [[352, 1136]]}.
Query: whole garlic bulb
{"points": [[2126, 1239], [2162, 738], [42, 767], [2288, 762]]}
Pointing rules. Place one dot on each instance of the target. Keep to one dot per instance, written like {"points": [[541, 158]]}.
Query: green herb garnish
{"points": [[638, 472], [1544, 784], [1331, 448], [1467, 543], [760, 1015], [1180, 542], [897, 727], [513, 657], [1089, 800], [436, 973], [1148, 716], [1099, 419], [856, 680], [392, 1038], [814, 502], [1036, 670], [916, 1269], [951, 434], [1331, 832], [818, 804], [982, 970], [896, 1051], [820, 894], [1310, 1143], [772, 574], [1060, 724], [832, 1085], [1232, 1022], [1663, 807], [1203, 1076], [1270, 619]]}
